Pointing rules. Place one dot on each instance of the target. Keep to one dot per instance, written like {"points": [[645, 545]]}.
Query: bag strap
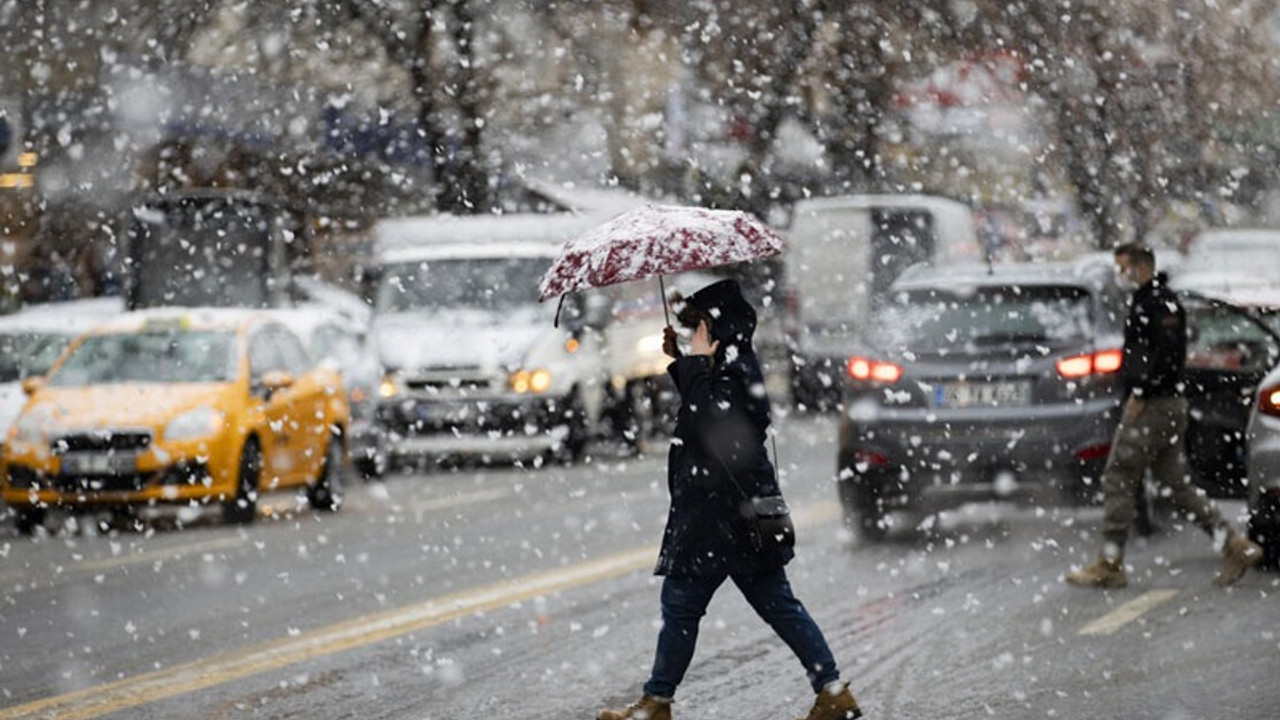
{"points": [[729, 472]]}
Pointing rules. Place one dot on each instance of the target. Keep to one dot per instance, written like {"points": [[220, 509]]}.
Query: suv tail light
{"points": [[1269, 401], [860, 368], [1103, 362]]}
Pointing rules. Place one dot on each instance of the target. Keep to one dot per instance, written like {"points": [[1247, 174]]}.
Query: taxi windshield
{"points": [[150, 356], [23, 354]]}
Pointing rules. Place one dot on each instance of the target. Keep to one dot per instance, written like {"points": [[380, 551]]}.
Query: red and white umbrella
{"points": [[657, 240]]}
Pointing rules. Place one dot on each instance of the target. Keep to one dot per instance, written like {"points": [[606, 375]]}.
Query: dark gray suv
{"points": [[980, 383]]}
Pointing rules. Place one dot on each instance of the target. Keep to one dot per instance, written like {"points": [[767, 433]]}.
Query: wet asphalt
{"points": [[524, 592]]}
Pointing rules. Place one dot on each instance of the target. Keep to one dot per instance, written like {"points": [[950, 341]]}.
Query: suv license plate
{"points": [[960, 395]]}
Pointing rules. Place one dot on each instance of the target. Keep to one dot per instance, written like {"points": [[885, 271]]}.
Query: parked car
{"points": [[33, 338], [1003, 382], [843, 254], [167, 406], [474, 365], [345, 344], [1260, 293], [1229, 351], [1264, 469]]}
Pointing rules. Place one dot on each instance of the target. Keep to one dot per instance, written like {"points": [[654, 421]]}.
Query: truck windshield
{"points": [[487, 284], [150, 357], [938, 319]]}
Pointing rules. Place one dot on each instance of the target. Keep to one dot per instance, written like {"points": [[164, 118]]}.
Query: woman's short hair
{"points": [[688, 316]]}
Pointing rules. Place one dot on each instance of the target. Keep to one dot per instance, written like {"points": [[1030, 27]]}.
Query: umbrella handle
{"points": [[662, 288]]}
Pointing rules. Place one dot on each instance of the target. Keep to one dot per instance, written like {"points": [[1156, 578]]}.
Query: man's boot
{"points": [[835, 702], [1238, 555], [646, 708], [1101, 573]]}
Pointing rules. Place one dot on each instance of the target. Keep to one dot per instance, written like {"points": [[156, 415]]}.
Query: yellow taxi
{"points": [[178, 406]]}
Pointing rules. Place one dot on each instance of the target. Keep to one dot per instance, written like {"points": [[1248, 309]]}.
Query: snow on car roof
{"points": [[1236, 239], [304, 321], [1046, 273], [186, 318], [517, 228], [862, 202], [69, 317], [472, 251]]}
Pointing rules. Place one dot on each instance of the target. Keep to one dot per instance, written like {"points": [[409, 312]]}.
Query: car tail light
{"points": [[860, 368], [1094, 452], [1269, 401], [1103, 362], [869, 458]]}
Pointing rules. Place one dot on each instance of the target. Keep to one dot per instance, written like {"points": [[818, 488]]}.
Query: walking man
{"points": [[1152, 429], [718, 445]]}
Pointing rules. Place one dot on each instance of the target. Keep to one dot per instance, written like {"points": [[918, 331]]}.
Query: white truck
{"points": [[473, 364], [843, 252]]}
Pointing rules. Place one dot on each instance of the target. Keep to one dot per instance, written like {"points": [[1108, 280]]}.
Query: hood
{"points": [[733, 318], [124, 405], [417, 341]]}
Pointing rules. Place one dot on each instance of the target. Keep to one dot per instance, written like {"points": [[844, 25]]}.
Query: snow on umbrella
{"points": [[657, 240]]}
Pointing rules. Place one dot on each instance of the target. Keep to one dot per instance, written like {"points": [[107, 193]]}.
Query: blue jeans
{"points": [[684, 602]]}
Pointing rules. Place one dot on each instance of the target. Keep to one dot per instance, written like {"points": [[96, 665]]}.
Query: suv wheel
{"points": [[863, 512], [1264, 529]]}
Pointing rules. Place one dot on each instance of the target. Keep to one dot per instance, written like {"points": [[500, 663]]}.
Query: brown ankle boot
{"points": [[646, 708], [836, 703], [1238, 555], [1101, 573]]}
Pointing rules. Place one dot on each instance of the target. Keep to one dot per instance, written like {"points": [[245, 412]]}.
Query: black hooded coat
{"points": [[720, 432]]}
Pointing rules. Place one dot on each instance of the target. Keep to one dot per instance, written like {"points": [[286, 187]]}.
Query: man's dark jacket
{"points": [[1155, 342], [720, 430]]}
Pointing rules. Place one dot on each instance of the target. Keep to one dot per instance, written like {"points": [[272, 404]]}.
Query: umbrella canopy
{"points": [[657, 240]]}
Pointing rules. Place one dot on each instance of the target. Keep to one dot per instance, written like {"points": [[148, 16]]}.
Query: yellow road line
{"points": [[132, 692], [1128, 612], [276, 654]]}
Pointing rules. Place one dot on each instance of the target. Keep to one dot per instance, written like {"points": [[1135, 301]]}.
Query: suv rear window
{"points": [[971, 319]]}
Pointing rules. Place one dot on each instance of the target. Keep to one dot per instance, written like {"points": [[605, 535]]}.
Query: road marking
{"points": [[136, 558], [1128, 612], [366, 630], [165, 554], [226, 667]]}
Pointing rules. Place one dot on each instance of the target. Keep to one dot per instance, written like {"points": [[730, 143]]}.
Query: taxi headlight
{"points": [[196, 423]]}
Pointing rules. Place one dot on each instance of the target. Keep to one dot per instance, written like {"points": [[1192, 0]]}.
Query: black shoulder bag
{"points": [[771, 525]]}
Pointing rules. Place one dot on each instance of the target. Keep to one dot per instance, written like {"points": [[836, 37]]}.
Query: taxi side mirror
{"points": [[273, 381], [32, 385]]}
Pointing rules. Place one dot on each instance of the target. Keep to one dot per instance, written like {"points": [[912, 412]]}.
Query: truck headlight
{"points": [[537, 381], [196, 423], [388, 388]]}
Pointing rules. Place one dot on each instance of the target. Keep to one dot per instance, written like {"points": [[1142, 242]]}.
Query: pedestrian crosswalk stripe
{"points": [[1128, 612]]}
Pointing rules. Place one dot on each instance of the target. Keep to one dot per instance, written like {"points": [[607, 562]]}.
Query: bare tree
{"points": [[421, 35]]}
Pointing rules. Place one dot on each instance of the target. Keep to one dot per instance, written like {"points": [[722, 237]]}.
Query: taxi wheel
{"points": [[326, 492], [27, 519], [243, 508]]}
